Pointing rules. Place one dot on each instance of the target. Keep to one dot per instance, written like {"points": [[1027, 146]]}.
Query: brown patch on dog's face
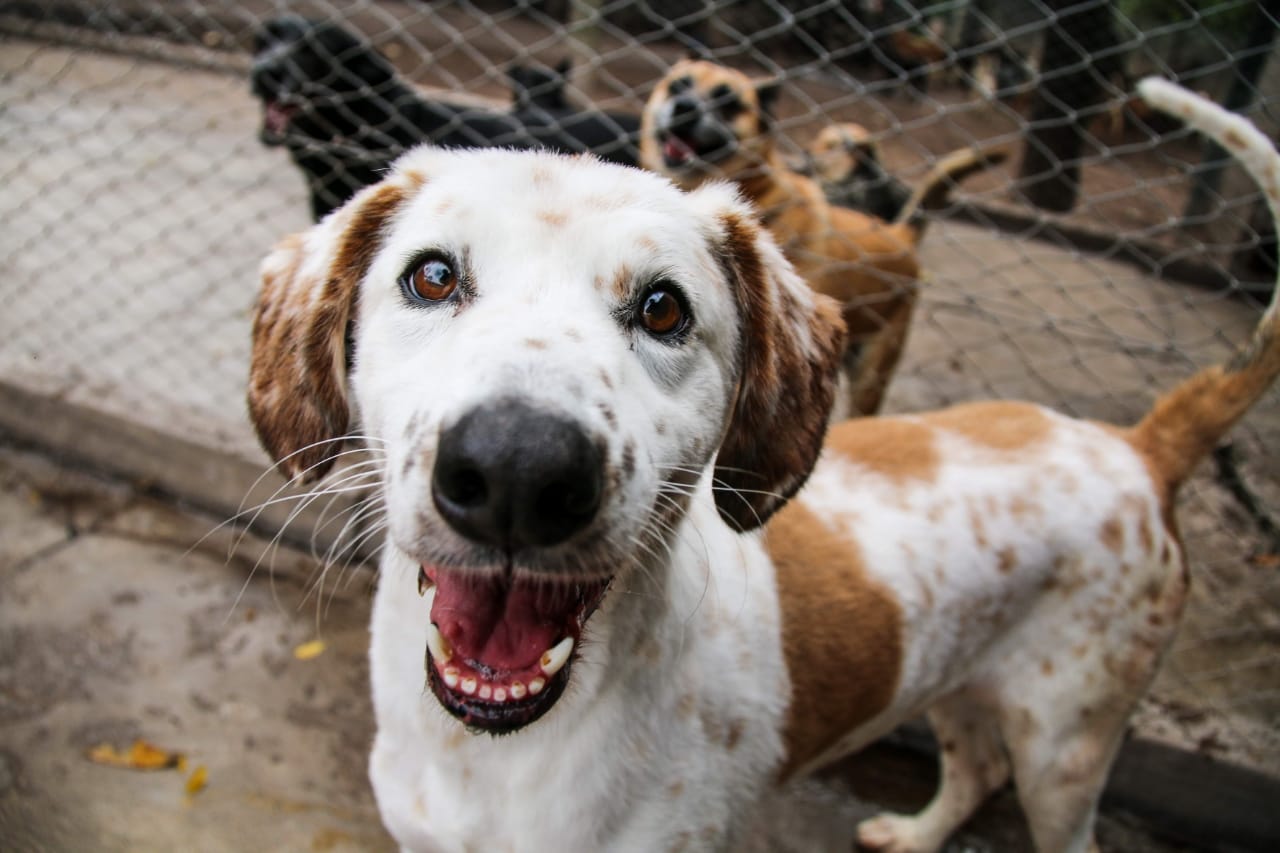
{"points": [[297, 376], [790, 352], [841, 634], [704, 121]]}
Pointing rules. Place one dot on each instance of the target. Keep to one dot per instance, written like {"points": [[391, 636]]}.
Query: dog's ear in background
{"points": [[789, 357], [298, 367]]}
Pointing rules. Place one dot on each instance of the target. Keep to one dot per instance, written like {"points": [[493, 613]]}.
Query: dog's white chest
{"points": [[665, 737]]}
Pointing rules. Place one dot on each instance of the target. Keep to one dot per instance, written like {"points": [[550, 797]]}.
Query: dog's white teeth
{"points": [[518, 690], [437, 644], [499, 694], [424, 583], [428, 596], [535, 686], [554, 658], [451, 677], [486, 692], [469, 686]]}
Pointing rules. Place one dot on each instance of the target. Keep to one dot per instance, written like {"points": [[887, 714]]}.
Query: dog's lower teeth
{"points": [[554, 658], [451, 678], [518, 690], [469, 686], [535, 686]]}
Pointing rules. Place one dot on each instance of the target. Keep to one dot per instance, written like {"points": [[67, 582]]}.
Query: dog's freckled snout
{"points": [[509, 475]]}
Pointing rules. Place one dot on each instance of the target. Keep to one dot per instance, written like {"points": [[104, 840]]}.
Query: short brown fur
{"points": [[841, 634]]}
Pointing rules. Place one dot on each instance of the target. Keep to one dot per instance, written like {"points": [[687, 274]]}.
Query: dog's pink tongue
{"points": [[676, 150], [503, 625]]}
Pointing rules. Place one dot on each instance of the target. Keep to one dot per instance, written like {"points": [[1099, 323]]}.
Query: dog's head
{"points": [[842, 151], [311, 77], [551, 357], [704, 121], [539, 87]]}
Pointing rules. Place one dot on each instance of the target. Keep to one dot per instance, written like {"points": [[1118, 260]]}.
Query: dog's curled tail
{"points": [[1187, 422], [933, 192]]}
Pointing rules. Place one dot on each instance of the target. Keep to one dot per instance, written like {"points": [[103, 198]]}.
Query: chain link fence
{"points": [[1109, 256]]}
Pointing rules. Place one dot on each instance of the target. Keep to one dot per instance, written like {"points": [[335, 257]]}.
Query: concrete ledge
{"points": [[166, 466]]}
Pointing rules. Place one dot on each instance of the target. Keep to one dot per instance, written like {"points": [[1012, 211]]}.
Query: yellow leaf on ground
{"points": [[307, 651], [140, 756], [197, 780]]}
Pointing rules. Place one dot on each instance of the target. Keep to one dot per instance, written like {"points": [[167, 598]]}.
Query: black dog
{"points": [[538, 100], [345, 114]]}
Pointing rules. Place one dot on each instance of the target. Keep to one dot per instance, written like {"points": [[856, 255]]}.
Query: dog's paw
{"points": [[891, 833]]}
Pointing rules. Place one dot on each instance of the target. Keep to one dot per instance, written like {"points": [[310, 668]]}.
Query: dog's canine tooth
{"points": [[437, 644], [424, 583], [554, 658]]}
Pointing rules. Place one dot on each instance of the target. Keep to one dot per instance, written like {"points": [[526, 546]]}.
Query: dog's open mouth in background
{"points": [[683, 146], [276, 117], [500, 647]]}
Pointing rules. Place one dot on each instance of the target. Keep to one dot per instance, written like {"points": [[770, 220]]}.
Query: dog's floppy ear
{"points": [[789, 356], [298, 368]]}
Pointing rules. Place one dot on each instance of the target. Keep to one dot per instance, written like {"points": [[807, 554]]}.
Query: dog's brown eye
{"points": [[662, 313], [432, 281]]}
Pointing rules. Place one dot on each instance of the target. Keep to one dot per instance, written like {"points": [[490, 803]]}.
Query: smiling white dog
{"points": [[588, 392]]}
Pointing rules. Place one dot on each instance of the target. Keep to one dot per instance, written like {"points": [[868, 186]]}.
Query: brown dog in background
{"points": [[705, 121]]}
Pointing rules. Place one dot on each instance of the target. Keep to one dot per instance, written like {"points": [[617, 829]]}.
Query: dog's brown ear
{"points": [[306, 305], [792, 341]]}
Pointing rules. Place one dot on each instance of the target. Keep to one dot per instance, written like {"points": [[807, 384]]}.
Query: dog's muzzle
{"points": [[513, 479]]}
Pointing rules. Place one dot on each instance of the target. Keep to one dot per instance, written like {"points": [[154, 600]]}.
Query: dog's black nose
{"points": [[509, 475], [685, 110]]}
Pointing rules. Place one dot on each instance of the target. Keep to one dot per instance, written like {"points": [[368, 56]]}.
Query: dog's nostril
{"points": [[466, 487]]}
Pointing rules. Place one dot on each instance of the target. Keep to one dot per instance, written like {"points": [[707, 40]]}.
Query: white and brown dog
{"points": [[705, 122], [585, 635]]}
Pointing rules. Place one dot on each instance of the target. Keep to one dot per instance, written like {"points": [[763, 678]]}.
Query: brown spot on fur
{"points": [[734, 734], [1112, 535], [554, 218], [898, 449], [535, 343], [1046, 667], [606, 380], [999, 425], [1008, 559], [823, 589], [610, 418]]}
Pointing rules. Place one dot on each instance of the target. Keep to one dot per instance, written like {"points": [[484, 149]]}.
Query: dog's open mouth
{"points": [[677, 151], [276, 117], [499, 648]]}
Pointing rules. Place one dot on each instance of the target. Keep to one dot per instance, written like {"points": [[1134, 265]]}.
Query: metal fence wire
{"points": [[1111, 254]]}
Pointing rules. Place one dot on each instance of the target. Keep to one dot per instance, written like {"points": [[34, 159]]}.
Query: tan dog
{"points": [[846, 162], [705, 121]]}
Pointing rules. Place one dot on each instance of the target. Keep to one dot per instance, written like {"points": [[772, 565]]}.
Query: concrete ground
{"points": [[113, 627]]}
